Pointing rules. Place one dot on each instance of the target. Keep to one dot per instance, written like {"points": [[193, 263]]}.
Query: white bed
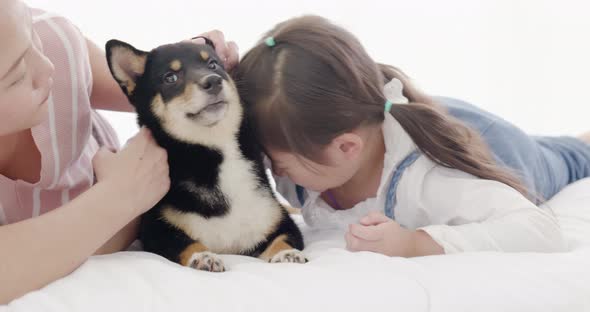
{"points": [[337, 280]]}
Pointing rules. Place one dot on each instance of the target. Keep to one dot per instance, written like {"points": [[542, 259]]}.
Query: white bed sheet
{"points": [[337, 280]]}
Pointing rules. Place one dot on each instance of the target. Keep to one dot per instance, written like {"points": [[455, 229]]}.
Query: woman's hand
{"points": [[139, 172], [227, 51]]}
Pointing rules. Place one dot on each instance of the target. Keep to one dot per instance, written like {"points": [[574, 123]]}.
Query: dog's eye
{"points": [[170, 77], [212, 64]]}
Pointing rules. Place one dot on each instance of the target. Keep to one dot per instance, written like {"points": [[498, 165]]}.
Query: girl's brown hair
{"points": [[318, 82]]}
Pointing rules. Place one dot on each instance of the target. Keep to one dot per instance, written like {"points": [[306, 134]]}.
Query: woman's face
{"points": [[25, 72]]}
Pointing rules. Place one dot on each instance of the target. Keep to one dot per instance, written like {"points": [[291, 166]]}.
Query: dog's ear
{"points": [[126, 63]]}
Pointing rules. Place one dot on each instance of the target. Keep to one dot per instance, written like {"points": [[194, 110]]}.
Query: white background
{"points": [[526, 60]]}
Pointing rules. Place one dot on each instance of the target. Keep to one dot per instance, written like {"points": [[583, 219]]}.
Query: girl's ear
{"points": [[349, 145]]}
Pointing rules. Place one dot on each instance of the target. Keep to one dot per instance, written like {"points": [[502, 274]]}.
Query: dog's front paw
{"points": [[206, 261], [290, 255]]}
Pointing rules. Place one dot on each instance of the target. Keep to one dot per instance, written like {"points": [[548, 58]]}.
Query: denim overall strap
{"points": [[391, 200], [300, 194]]}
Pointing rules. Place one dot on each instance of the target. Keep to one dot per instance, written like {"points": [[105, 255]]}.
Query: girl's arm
{"points": [[467, 214], [471, 214]]}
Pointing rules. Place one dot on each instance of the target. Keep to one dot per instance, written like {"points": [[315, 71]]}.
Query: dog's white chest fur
{"points": [[253, 212]]}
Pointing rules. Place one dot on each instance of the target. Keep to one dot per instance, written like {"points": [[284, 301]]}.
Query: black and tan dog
{"points": [[220, 200]]}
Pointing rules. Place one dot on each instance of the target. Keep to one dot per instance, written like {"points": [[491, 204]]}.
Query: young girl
{"points": [[53, 213], [357, 146]]}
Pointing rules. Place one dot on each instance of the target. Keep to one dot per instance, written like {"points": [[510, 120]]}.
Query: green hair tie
{"points": [[270, 41], [388, 105]]}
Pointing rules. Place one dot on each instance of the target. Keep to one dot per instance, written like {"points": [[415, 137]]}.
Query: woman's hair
{"points": [[317, 82]]}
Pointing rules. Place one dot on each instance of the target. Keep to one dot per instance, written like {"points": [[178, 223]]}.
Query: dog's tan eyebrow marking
{"points": [[204, 55], [175, 65]]}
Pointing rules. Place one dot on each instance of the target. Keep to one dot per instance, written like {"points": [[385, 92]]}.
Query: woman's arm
{"points": [[122, 240], [40, 250]]}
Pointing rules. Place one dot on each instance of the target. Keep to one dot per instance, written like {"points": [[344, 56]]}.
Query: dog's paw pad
{"points": [[290, 256], [206, 261]]}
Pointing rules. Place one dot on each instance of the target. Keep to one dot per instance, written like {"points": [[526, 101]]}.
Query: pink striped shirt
{"points": [[70, 136]]}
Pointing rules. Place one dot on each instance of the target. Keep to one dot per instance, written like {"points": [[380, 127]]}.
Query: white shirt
{"points": [[459, 211]]}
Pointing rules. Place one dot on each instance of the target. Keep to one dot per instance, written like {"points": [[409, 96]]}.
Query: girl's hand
{"points": [[138, 173], [227, 51], [378, 233]]}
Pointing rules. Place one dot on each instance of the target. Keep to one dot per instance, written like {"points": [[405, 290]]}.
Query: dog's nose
{"points": [[211, 84]]}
